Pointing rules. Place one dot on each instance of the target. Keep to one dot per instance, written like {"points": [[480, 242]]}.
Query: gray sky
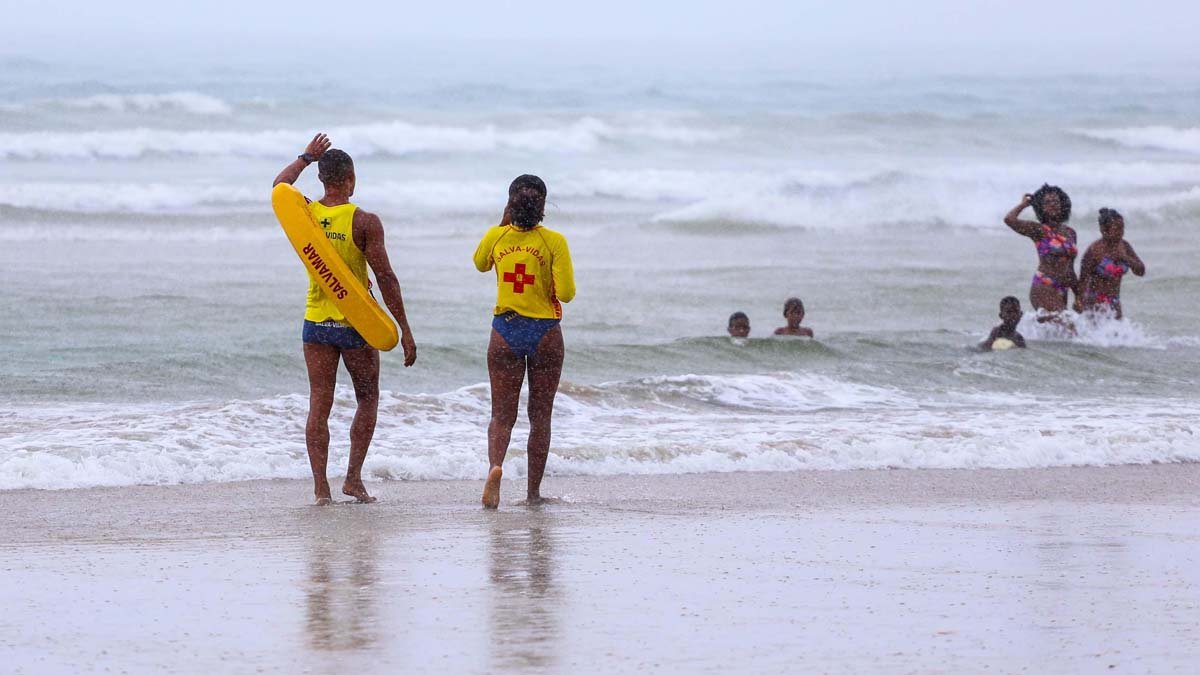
{"points": [[986, 33]]}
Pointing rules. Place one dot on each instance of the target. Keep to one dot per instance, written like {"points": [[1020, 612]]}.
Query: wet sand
{"points": [[1057, 570]]}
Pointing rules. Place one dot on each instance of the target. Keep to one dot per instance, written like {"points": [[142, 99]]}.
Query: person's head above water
{"points": [[793, 311], [1112, 226], [1010, 311], [335, 169], [526, 202], [739, 325], [1051, 204]]}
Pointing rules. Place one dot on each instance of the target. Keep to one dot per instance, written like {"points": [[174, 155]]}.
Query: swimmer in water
{"points": [[533, 277], [739, 325], [793, 311], [1056, 249], [1010, 316], [1104, 263]]}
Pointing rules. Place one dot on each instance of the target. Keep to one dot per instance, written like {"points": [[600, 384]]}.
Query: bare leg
{"points": [[1054, 303], [322, 362], [507, 373], [545, 369], [363, 365]]}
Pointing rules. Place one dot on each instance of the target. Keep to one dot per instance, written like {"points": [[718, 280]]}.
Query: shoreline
{"points": [[840, 571]]}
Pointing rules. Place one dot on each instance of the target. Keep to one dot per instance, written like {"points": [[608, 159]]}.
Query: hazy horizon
{"points": [[869, 38]]}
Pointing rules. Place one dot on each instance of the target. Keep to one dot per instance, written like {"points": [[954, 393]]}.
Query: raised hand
{"points": [[317, 146]]}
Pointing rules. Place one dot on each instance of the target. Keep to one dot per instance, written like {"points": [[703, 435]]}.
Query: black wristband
{"points": [[308, 159]]}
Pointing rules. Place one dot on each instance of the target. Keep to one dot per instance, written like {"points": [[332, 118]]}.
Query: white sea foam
{"points": [[657, 425], [584, 134], [813, 198], [190, 102], [1155, 136], [118, 197], [1097, 328]]}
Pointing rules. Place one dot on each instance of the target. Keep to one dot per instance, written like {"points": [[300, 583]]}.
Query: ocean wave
{"points": [[972, 196], [206, 233], [113, 197], [700, 201], [191, 102], [395, 138], [1157, 137], [678, 424]]}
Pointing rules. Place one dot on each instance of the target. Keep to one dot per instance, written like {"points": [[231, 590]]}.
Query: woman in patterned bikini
{"points": [[1056, 248], [1104, 263]]}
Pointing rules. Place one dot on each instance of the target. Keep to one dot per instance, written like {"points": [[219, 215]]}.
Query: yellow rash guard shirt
{"points": [[533, 270]]}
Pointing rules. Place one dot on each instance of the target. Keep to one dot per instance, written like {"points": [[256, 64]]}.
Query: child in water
{"points": [[739, 325], [1005, 335], [793, 311]]}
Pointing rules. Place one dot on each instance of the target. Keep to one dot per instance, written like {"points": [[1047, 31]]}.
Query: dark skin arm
{"points": [[1018, 340], [1086, 269], [1131, 258], [986, 345], [368, 236], [1026, 228], [1075, 285], [316, 147]]}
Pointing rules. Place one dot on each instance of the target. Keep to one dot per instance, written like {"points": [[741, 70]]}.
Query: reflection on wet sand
{"points": [[340, 604], [525, 621]]}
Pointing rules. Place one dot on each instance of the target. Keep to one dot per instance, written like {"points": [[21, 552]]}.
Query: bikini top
{"points": [[1055, 245], [1111, 268]]}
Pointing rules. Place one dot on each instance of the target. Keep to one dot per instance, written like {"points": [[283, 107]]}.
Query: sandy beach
{"points": [[1051, 570]]}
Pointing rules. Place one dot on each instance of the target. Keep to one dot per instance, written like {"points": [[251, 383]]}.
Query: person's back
{"points": [[357, 238], [534, 275]]}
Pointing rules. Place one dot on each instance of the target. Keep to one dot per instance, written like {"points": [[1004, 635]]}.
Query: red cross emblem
{"points": [[518, 278]]}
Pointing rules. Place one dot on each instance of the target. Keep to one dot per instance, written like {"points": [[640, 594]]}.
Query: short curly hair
{"points": [[335, 166], [1063, 200]]}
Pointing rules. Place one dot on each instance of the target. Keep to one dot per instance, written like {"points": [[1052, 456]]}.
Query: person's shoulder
{"points": [[553, 236], [365, 217], [494, 232]]}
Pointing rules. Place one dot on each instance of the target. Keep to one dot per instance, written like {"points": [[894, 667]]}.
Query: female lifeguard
{"points": [[533, 277]]}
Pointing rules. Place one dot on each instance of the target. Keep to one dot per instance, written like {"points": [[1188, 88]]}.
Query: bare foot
{"points": [[491, 489], [322, 494], [538, 500], [357, 490]]}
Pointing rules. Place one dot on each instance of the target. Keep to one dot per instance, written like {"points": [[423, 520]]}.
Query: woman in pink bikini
{"points": [[1056, 248], [1103, 265]]}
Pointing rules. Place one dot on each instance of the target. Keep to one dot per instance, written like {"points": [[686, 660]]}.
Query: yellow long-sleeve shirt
{"points": [[533, 270]]}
